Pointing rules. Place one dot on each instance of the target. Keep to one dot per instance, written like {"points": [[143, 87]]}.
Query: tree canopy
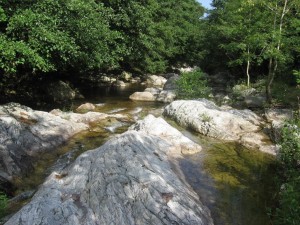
{"points": [[90, 35]]}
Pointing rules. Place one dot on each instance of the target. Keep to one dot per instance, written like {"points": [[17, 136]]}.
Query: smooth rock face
{"points": [[159, 127], [126, 181], [25, 133], [208, 119]]}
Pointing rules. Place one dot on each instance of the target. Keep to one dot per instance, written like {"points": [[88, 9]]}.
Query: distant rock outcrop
{"points": [[129, 180], [156, 93]]}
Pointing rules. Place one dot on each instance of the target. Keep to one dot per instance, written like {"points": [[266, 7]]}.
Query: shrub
{"points": [[290, 147], [288, 210], [192, 85], [296, 74]]}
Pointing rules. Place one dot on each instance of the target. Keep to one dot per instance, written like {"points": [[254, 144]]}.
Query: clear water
{"points": [[234, 182]]}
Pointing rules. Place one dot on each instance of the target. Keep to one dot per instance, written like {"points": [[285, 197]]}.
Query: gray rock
{"points": [[258, 101], [86, 107], [166, 96], [208, 119], [128, 180], [61, 91], [119, 83], [25, 133], [157, 81], [142, 96], [171, 83], [109, 79], [125, 76], [277, 119], [153, 90]]}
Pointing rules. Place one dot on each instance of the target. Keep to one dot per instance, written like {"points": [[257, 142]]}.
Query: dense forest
{"points": [[76, 39], [73, 39], [42, 41]]}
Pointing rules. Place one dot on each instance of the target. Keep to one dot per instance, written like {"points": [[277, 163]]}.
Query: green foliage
{"points": [[253, 37], [192, 85], [16, 53], [290, 146], [288, 210], [296, 74], [3, 204], [157, 34], [89, 36]]}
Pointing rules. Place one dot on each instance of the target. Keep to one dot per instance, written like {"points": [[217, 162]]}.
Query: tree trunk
{"points": [[248, 68], [273, 62], [271, 75]]}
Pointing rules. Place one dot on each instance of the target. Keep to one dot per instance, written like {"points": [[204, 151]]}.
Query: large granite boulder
{"points": [[128, 180], [208, 119], [25, 133]]}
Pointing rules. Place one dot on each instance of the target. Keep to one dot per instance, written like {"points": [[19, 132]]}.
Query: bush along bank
{"points": [[287, 211]]}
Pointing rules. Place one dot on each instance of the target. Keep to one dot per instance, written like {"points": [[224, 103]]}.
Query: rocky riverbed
{"points": [[75, 186]]}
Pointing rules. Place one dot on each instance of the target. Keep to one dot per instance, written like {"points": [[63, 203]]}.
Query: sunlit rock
{"points": [[128, 180], [208, 119], [86, 107]]}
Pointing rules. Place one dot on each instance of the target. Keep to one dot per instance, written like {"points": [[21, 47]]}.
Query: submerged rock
{"points": [[208, 119], [128, 180]]}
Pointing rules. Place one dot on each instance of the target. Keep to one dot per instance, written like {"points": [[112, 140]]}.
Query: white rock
{"points": [[126, 181]]}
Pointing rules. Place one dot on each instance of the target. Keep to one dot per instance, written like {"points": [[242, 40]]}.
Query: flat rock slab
{"points": [[205, 117], [128, 180]]}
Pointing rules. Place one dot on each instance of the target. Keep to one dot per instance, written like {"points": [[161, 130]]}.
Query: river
{"points": [[234, 182]]}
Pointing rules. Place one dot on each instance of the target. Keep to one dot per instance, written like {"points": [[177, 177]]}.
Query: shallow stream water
{"points": [[234, 182]]}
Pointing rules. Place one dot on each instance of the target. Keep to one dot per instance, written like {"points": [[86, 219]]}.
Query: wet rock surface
{"points": [[128, 180]]}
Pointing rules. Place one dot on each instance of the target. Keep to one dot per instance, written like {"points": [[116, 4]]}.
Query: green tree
{"points": [[241, 25]]}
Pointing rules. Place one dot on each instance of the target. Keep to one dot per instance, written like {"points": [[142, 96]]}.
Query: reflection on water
{"points": [[234, 182]]}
